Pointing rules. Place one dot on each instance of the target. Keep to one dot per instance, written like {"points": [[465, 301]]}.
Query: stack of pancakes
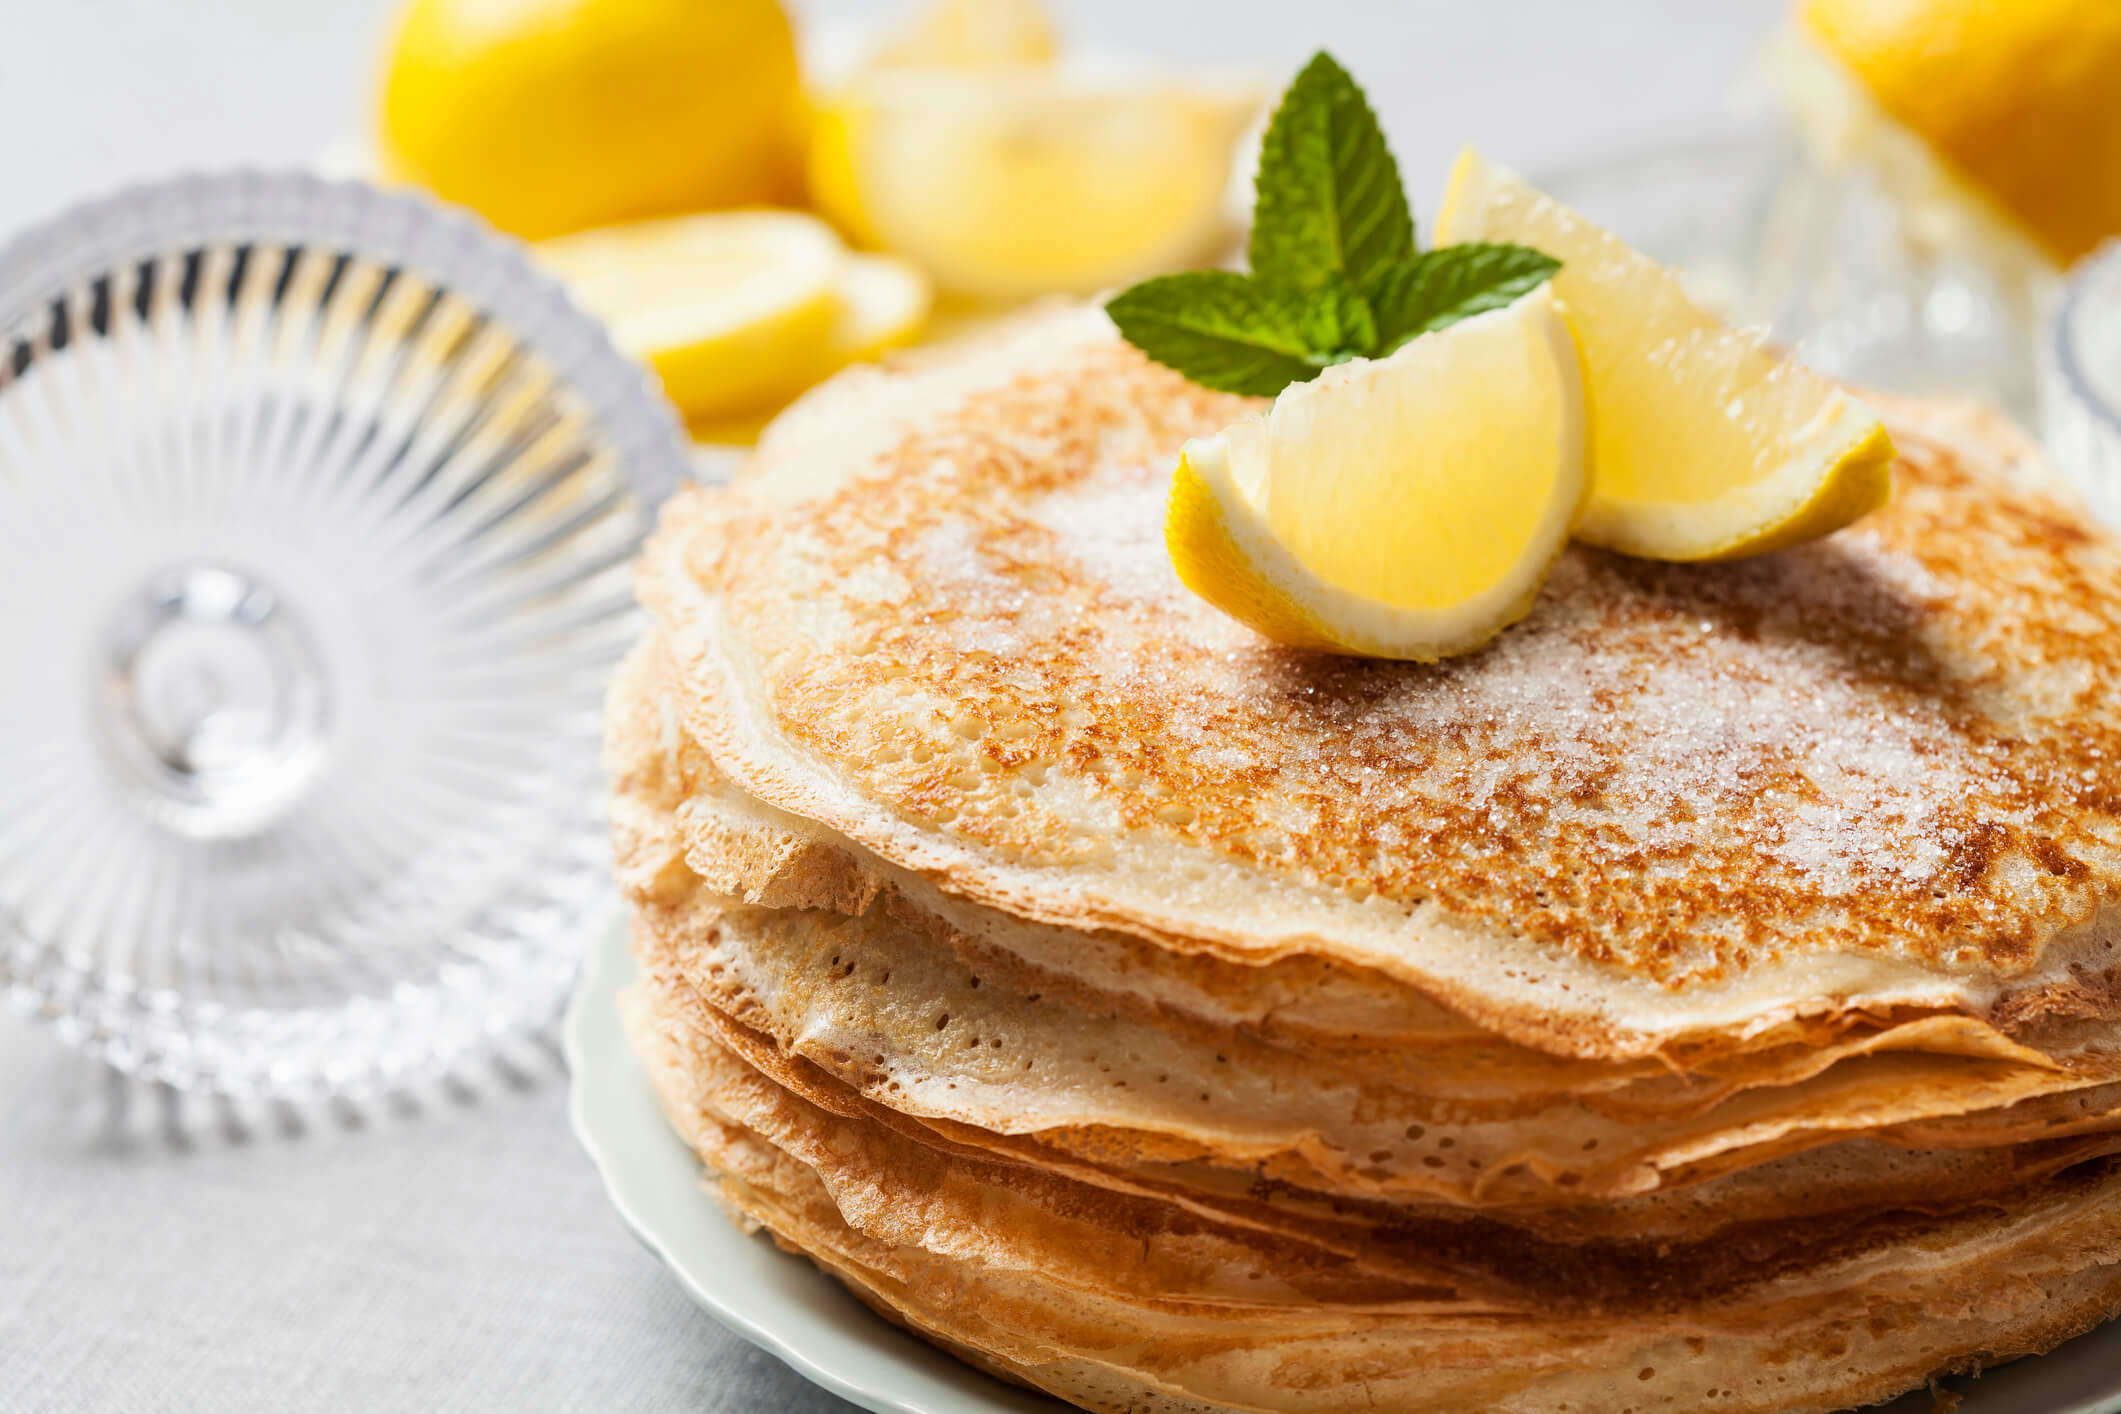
{"points": [[1702, 998]]}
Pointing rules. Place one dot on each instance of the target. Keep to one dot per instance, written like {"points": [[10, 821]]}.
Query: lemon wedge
{"points": [[732, 309], [1705, 444], [972, 34], [1007, 184], [1407, 507]]}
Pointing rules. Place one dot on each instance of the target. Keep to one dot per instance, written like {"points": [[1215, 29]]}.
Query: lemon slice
{"points": [[1705, 444], [730, 309], [972, 34], [737, 430], [1003, 185], [884, 305], [1403, 508]]}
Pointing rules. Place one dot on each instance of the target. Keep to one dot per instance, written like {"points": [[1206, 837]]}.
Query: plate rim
{"points": [[934, 1382]]}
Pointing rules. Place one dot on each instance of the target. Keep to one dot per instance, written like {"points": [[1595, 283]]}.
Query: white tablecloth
{"points": [[452, 1254]]}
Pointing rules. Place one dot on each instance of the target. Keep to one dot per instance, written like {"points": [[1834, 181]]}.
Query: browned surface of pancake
{"points": [[1703, 997], [1892, 745]]}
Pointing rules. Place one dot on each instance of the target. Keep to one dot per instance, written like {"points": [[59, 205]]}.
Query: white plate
{"points": [[776, 1301], [787, 1306]]}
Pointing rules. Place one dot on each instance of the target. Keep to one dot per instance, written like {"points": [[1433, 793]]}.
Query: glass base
{"points": [[214, 700], [318, 506]]}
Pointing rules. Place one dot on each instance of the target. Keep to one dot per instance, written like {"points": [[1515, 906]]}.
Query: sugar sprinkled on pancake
{"points": [[1873, 771]]}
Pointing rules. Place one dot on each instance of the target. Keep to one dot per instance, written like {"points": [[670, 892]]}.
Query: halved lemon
{"points": [[1007, 184], [1407, 507], [731, 309], [1705, 443]]}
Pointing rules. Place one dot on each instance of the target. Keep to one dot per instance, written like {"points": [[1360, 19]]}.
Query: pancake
{"points": [[1676, 802], [869, 995], [1058, 1287], [665, 786], [1703, 997]]}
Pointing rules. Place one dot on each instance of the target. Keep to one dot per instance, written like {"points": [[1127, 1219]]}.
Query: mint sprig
{"points": [[1327, 197], [1337, 272]]}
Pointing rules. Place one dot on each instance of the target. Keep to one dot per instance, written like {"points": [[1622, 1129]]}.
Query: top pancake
{"points": [[1873, 771]]}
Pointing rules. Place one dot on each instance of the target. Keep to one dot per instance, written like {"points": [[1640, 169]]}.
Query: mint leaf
{"points": [[1443, 286], [1337, 273], [1240, 334], [1327, 198], [1336, 321]]}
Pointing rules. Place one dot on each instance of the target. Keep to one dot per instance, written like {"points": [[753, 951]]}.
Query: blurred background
{"points": [[109, 90], [976, 153]]}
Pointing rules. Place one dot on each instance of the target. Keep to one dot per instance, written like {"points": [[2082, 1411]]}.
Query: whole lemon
{"points": [[2023, 98], [549, 116]]}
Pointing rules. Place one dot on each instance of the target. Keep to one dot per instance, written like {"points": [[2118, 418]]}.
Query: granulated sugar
{"points": [[1864, 743]]}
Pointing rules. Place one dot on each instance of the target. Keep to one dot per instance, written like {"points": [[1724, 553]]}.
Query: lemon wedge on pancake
{"points": [[1406, 507], [1705, 443]]}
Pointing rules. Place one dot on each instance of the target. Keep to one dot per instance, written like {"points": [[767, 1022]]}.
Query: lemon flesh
{"points": [[2023, 98], [551, 116], [1705, 444], [972, 34], [1004, 185], [883, 305], [1407, 507], [733, 310]]}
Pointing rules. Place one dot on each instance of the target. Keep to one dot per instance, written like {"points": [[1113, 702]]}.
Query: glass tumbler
{"points": [[317, 504]]}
